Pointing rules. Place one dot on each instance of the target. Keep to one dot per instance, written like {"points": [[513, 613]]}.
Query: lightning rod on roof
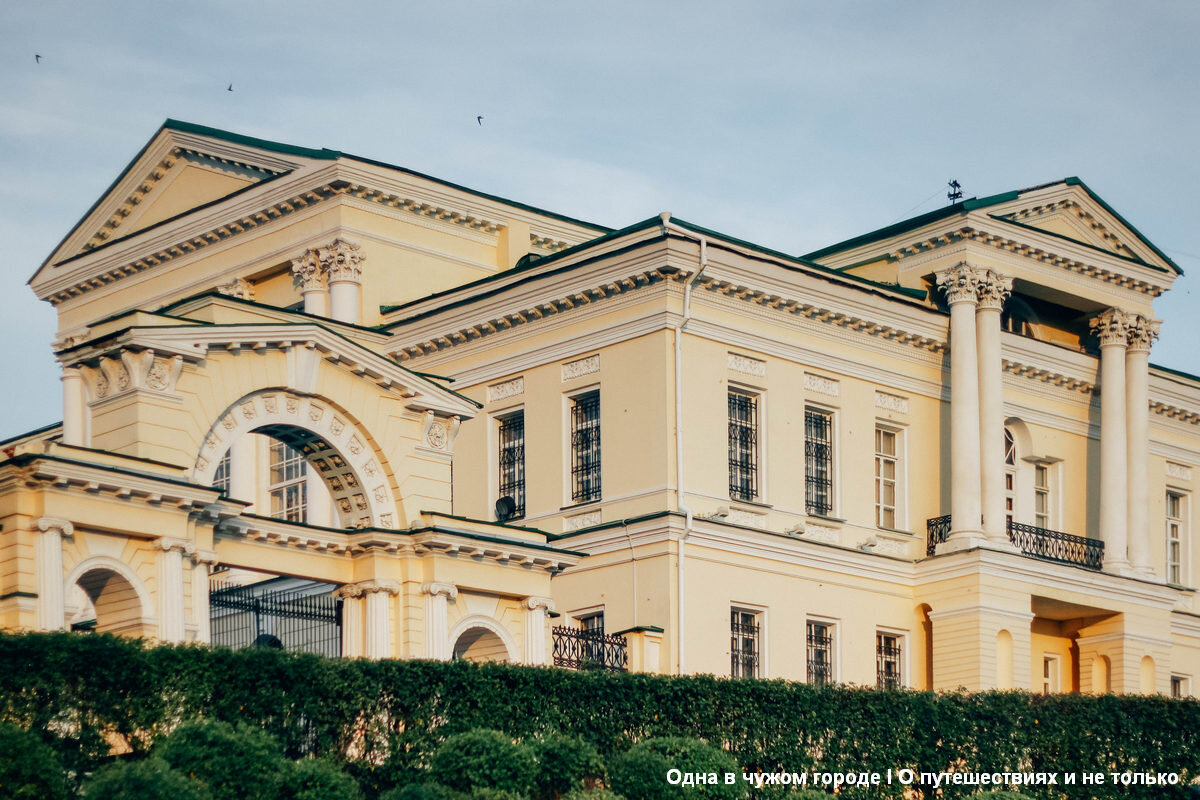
{"points": [[955, 193]]}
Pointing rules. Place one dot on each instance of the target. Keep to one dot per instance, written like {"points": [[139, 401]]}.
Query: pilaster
{"points": [[378, 617], [170, 587], [537, 651], [437, 619], [202, 563]]}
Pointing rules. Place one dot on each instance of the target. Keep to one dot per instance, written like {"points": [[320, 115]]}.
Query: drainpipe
{"points": [[680, 504]]}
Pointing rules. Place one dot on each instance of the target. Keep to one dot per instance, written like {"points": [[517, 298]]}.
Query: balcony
{"points": [[589, 649], [1040, 543]]}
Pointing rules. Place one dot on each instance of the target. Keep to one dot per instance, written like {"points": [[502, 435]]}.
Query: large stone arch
{"points": [[336, 446], [122, 602], [484, 625]]}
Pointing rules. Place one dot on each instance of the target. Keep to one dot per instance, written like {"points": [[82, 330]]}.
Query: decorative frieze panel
{"points": [[127, 370], [581, 367], [891, 402], [821, 385], [1179, 471], [746, 518], [580, 521], [506, 389], [747, 365], [819, 533]]}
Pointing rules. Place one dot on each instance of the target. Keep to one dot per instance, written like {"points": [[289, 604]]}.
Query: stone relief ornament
{"points": [[437, 436], [960, 283], [1112, 327], [581, 367]]}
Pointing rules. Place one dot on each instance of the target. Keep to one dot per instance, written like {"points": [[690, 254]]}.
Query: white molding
{"points": [[979, 609], [1102, 638]]}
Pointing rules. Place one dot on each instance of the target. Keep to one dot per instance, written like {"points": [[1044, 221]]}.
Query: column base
{"points": [[1000, 545], [961, 540], [1122, 568]]}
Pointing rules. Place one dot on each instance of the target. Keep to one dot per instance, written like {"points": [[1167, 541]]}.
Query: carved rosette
{"points": [[1112, 327], [342, 260], [961, 283], [1142, 332], [993, 290]]}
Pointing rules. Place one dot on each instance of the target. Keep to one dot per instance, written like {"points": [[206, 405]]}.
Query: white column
{"points": [[202, 563], [352, 619], [74, 429], [342, 261], [437, 619], [48, 571], [378, 627], [311, 274], [961, 284], [993, 290], [1112, 328], [170, 587], [243, 470], [1142, 332], [536, 651]]}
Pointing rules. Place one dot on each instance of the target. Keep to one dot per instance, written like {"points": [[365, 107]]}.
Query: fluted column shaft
{"points": [[1142, 332], [535, 629], [1112, 327], [170, 588], [960, 284], [48, 570], [74, 429], [437, 619], [993, 290]]}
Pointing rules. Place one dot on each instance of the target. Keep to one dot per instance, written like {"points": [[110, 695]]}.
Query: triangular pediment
{"points": [[1070, 210], [184, 167]]}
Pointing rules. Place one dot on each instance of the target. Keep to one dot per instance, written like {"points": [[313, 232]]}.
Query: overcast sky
{"points": [[791, 124]]}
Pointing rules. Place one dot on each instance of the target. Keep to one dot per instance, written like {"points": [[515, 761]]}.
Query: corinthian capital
{"points": [[993, 289], [342, 260], [1142, 332], [307, 267], [1112, 327], [960, 283]]}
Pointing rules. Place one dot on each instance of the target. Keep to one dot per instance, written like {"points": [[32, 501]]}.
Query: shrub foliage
{"points": [[385, 720]]}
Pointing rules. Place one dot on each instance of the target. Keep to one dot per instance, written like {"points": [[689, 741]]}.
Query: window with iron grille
{"points": [[585, 447], [887, 661], [743, 446], [820, 653], [818, 461], [1176, 503], [887, 461], [744, 643], [222, 478], [512, 460], [289, 494]]}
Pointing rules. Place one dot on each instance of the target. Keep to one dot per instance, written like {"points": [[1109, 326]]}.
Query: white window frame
{"points": [[1178, 525], [902, 639], [760, 615], [300, 480], [900, 481], [1185, 685], [835, 647], [1052, 682]]}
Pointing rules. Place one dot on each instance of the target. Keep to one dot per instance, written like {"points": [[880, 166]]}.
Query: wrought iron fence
{"points": [[245, 616], [583, 649], [1051, 545], [938, 530]]}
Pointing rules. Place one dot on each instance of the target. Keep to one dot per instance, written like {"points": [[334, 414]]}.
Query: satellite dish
{"points": [[506, 508], [268, 640]]}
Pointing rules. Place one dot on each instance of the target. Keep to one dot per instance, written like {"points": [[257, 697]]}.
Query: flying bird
{"points": [[230, 89], [479, 120], [37, 59]]}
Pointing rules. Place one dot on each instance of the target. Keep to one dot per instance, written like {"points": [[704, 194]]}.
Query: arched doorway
{"points": [[481, 639], [104, 596]]}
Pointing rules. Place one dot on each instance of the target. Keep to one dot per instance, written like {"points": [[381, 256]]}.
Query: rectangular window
{"points": [[887, 462], [222, 478], [512, 462], [1049, 674], [818, 461], [585, 447], [289, 494], [743, 446], [1041, 496], [820, 653], [887, 661], [1176, 533], [1179, 687], [744, 643]]}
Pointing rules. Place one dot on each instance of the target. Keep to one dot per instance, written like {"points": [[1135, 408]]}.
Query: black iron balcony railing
{"points": [[1048, 545], [581, 649], [1056, 546], [938, 530]]}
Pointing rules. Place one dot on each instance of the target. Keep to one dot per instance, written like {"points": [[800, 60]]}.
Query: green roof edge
{"points": [[1074, 181]]}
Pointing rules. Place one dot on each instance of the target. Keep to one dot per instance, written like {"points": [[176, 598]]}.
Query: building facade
{"points": [[935, 455]]}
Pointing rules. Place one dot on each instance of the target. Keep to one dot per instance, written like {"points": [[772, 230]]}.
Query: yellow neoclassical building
{"points": [[322, 402]]}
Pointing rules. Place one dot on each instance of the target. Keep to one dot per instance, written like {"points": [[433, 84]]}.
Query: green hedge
{"points": [[387, 718]]}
